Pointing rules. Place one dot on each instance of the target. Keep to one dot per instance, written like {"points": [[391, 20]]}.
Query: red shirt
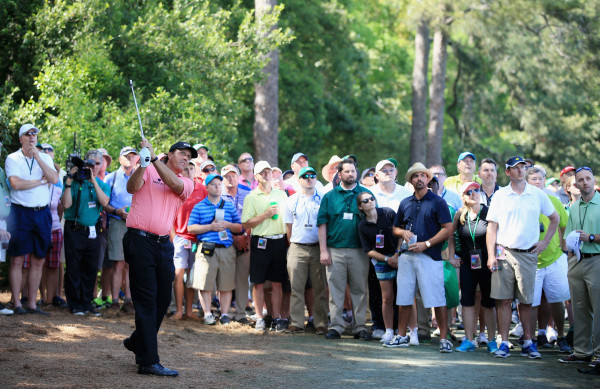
{"points": [[183, 214]]}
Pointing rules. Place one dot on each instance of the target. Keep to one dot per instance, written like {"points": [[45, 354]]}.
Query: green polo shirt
{"points": [[553, 251], [454, 183], [341, 232], [586, 217], [89, 206], [5, 193], [256, 203]]}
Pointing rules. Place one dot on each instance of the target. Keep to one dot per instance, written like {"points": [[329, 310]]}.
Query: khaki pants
{"points": [[584, 284], [304, 261], [349, 267], [242, 270]]}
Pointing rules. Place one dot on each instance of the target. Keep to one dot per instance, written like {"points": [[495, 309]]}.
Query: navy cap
{"points": [[513, 161], [184, 146]]}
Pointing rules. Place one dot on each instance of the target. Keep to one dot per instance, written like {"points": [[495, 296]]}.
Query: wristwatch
{"points": [[154, 159], [428, 244], [592, 238], [386, 259]]}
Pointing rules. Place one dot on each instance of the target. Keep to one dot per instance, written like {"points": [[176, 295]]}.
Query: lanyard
{"points": [[584, 215], [314, 201], [27, 162], [472, 233]]}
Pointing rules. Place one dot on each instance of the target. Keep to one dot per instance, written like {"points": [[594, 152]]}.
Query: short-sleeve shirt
{"points": [[384, 226], [424, 218], [586, 217], [238, 199], [55, 194], [301, 212], [204, 213], [256, 203], [454, 183], [89, 206], [154, 206], [473, 229], [554, 250], [183, 213], [339, 211], [518, 216], [243, 181], [5, 193], [452, 199], [28, 169], [119, 197], [390, 200]]}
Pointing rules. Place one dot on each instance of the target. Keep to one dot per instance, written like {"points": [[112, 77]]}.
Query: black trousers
{"points": [[81, 256], [376, 301], [151, 275]]}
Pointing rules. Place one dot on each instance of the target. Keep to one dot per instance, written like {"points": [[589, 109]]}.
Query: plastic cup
{"points": [[276, 216]]}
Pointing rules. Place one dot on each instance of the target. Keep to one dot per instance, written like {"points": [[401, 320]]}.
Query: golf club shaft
{"points": [[137, 109]]}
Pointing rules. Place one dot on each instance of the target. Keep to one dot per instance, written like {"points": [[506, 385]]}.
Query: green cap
{"points": [[305, 170]]}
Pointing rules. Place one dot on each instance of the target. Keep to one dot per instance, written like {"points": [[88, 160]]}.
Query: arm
{"points": [[272, 210], [438, 238], [541, 245], [288, 231], [402, 234], [49, 173], [21, 184], [102, 197], [136, 181], [490, 240], [325, 256], [67, 200]]}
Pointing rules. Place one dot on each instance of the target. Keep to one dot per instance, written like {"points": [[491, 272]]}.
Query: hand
{"points": [[325, 258], [418, 247], [455, 262], [92, 179], [272, 210], [492, 263], [122, 213], [393, 261], [407, 235], [4, 235], [241, 242], [539, 247], [583, 236], [218, 226], [148, 145], [276, 184], [35, 152]]}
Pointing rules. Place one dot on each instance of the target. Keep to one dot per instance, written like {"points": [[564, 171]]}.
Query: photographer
{"points": [[83, 199]]}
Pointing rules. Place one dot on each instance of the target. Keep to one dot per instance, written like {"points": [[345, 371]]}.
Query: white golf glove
{"points": [[144, 157]]}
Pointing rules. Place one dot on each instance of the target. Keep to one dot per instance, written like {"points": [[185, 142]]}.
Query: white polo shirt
{"points": [[28, 169], [518, 216], [301, 212], [390, 200]]}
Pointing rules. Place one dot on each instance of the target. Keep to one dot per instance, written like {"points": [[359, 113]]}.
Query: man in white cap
{"points": [[513, 235], [268, 245], [423, 220], [299, 161], [386, 191], [584, 271], [29, 173], [466, 172]]}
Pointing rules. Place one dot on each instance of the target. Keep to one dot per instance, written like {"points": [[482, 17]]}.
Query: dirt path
{"points": [[64, 351]]}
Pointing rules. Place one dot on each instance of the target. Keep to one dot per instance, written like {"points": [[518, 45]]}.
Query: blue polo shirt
{"points": [[238, 200], [424, 218], [204, 213]]}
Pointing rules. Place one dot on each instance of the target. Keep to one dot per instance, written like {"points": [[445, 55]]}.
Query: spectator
{"points": [[246, 165], [466, 172]]}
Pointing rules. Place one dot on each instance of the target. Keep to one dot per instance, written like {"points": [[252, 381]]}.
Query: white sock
{"points": [[527, 343], [389, 331]]}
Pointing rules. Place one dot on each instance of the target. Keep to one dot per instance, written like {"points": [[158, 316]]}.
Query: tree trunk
{"points": [[419, 94], [266, 100], [436, 93]]}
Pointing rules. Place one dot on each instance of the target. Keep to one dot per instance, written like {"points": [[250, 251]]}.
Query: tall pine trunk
{"points": [[436, 107], [419, 94], [266, 100]]}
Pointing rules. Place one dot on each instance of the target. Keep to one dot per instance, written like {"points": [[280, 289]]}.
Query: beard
{"points": [[349, 181]]}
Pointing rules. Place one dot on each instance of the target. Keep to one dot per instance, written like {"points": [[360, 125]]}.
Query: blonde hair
{"points": [[463, 216]]}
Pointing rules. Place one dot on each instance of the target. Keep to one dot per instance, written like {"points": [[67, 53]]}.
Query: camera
{"points": [[83, 167]]}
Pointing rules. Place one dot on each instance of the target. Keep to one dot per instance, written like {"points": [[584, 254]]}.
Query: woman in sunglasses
{"points": [[378, 241], [471, 224]]}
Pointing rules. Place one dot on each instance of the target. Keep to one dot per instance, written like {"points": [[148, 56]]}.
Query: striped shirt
{"points": [[204, 213]]}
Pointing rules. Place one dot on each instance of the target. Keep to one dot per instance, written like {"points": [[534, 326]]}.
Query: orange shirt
{"points": [[154, 206]]}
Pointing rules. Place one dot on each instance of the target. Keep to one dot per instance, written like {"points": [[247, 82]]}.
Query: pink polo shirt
{"points": [[154, 206]]}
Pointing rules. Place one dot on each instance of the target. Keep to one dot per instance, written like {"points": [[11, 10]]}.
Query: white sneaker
{"points": [[378, 334], [397, 341], [5, 311], [436, 332], [387, 337], [209, 319], [551, 334], [482, 339], [517, 331], [260, 325], [414, 338]]}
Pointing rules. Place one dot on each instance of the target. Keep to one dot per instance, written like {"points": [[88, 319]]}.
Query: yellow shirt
{"points": [[256, 203], [454, 183]]}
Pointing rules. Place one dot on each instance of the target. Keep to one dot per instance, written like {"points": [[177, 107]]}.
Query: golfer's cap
{"points": [[211, 177], [260, 166], [574, 243], [382, 163], [464, 155], [468, 185], [514, 161], [126, 150], [26, 127], [184, 146], [206, 163], [566, 170], [305, 170], [229, 168], [298, 155], [198, 146], [46, 146]]}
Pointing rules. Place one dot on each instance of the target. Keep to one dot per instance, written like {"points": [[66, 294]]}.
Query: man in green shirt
{"points": [[342, 254], [584, 273], [83, 201], [4, 234]]}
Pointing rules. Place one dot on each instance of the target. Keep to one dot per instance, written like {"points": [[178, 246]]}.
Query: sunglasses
{"points": [[471, 191], [48, 149], [370, 175], [209, 169], [307, 176], [365, 201], [30, 134], [246, 160], [584, 168]]}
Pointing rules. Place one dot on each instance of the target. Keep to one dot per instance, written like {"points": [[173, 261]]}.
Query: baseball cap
{"points": [[366, 171], [574, 243], [351, 156], [465, 154], [382, 163], [126, 150], [298, 155], [468, 185], [46, 146], [39, 146], [206, 163], [551, 180], [305, 170], [104, 153], [513, 161], [260, 166], [26, 127], [184, 146], [200, 146], [211, 177], [566, 170], [229, 168], [394, 161]]}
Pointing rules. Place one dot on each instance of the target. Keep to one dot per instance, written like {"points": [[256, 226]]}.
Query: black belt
{"points": [[73, 226], [306, 244], [520, 250], [219, 245], [32, 208], [151, 236], [586, 255]]}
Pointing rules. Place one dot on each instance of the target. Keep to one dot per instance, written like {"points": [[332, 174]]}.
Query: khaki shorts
{"points": [[116, 231], [217, 269], [516, 279]]}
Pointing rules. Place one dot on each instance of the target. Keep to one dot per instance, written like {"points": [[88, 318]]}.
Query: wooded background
{"points": [[414, 80]]}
